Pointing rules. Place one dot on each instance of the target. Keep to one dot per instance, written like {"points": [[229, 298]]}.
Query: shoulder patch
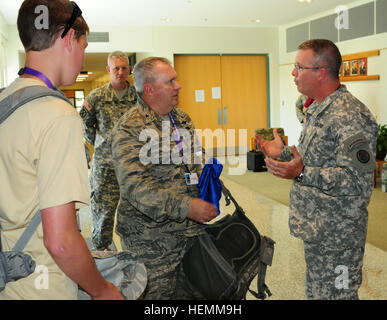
{"points": [[359, 153], [87, 105], [363, 156]]}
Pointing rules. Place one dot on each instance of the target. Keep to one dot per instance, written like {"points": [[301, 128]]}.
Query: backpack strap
{"points": [[228, 197], [22, 96], [28, 232], [266, 258]]}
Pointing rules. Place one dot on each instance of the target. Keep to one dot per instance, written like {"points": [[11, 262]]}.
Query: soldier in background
{"points": [[101, 110], [302, 103], [332, 170], [300, 107], [159, 213]]}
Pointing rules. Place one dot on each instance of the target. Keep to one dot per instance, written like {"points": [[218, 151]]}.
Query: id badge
{"points": [[191, 178]]}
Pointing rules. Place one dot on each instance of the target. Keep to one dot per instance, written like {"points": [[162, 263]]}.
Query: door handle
{"points": [[225, 120], [219, 116]]}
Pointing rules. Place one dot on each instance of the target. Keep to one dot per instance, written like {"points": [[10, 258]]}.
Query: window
{"points": [[79, 99]]}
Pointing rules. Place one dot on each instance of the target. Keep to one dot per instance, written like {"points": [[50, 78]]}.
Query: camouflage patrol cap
{"points": [[267, 133], [122, 269]]}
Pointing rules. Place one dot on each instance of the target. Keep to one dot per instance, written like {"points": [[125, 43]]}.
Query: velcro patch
{"points": [[359, 153], [352, 142], [363, 156], [87, 105]]}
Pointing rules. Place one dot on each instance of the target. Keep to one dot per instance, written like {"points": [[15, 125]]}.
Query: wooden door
{"points": [[242, 103], [201, 73], [244, 96]]}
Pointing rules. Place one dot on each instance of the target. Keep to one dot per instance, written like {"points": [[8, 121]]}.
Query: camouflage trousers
{"points": [[105, 195], [164, 268], [333, 274]]}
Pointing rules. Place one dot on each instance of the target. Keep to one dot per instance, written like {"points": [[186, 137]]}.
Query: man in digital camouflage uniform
{"points": [[159, 213], [332, 168], [100, 112]]}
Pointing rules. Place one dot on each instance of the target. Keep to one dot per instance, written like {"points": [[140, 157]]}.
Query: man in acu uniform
{"points": [[332, 168], [159, 213], [101, 110]]}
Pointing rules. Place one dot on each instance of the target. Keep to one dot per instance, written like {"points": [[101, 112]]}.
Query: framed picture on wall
{"points": [[346, 68], [354, 67], [363, 66]]}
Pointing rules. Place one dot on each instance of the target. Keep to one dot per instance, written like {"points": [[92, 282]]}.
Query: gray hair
{"points": [[117, 55], [143, 72]]}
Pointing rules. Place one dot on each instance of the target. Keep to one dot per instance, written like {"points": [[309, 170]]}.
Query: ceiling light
{"points": [[256, 20], [165, 19], [305, 1]]}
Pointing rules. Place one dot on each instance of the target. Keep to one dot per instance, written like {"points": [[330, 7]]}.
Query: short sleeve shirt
{"points": [[42, 165]]}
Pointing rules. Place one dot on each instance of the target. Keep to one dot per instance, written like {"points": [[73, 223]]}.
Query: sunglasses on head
{"points": [[77, 12]]}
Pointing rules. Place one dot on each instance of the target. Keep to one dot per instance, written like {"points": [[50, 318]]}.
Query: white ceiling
{"points": [[233, 13]]}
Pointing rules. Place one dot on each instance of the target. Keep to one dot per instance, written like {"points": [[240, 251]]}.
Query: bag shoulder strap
{"points": [[228, 197], [28, 232], [24, 95]]}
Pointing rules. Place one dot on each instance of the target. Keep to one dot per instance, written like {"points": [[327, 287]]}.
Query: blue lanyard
{"points": [[178, 140], [37, 74]]}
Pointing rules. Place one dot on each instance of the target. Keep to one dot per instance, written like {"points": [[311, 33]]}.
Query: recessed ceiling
{"points": [[218, 13]]}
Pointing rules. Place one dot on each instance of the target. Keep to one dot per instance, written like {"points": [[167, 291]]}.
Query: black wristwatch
{"points": [[300, 177]]}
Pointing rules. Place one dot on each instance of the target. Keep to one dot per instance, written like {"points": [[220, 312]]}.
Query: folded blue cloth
{"points": [[210, 189]]}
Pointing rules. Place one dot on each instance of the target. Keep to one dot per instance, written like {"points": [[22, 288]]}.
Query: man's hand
{"points": [[271, 148], [201, 211], [286, 170], [69, 250]]}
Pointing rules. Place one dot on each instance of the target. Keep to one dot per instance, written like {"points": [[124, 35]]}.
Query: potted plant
{"points": [[381, 142]]}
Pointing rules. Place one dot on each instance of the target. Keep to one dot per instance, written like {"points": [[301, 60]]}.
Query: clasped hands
{"points": [[273, 149]]}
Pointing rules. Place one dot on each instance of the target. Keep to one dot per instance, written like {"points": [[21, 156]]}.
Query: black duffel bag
{"points": [[222, 262]]}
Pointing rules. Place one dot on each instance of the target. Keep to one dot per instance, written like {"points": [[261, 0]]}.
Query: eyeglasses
{"points": [[77, 12], [300, 68]]}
